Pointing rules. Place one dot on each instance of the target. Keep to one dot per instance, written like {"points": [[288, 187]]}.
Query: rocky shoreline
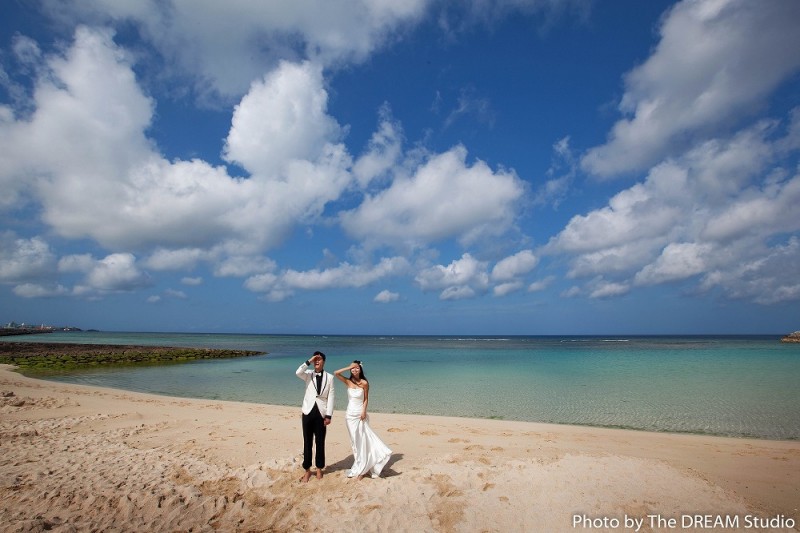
{"points": [[792, 337], [7, 332], [33, 357]]}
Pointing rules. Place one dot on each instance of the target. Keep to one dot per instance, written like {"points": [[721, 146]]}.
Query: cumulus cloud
{"points": [[716, 61], [513, 266], [676, 262], [443, 198], [76, 263], [282, 118], [606, 289], [462, 278], [386, 296], [241, 266], [179, 259], [767, 279], [504, 289], [84, 157], [97, 175], [344, 275], [723, 213], [36, 290], [116, 272], [24, 259], [457, 293], [97, 277], [279, 286], [542, 284], [192, 281], [222, 47]]}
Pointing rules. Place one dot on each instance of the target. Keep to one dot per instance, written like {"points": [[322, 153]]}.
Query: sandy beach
{"points": [[78, 458]]}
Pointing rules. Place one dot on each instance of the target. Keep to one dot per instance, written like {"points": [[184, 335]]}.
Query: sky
{"points": [[486, 167]]}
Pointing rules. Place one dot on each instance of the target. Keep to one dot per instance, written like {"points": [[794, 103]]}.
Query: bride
{"points": [[369, 452]]}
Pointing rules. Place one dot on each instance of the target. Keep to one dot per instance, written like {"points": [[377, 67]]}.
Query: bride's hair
{"points": [[361, 368]]}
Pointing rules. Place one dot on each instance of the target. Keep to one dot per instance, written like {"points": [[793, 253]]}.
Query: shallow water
{"points": [[728, 385]]}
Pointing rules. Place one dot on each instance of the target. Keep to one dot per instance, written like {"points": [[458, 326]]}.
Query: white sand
{"points": [[77, 458]]}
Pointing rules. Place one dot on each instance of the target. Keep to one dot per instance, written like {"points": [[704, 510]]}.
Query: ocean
{"points": [[741, 386]]}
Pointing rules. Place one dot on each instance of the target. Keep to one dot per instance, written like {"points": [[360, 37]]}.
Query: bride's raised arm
{"points": [[343, 379]]}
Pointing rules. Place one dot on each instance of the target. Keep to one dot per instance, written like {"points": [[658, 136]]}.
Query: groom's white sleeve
{"points": [[301, 372], [329, 409]]}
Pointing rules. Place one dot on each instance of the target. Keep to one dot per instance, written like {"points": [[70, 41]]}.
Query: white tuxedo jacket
{"points": [[323, 399]]}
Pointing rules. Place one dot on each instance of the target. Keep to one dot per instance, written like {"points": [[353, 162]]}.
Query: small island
{"points": [[32, 357], [791, 337]]}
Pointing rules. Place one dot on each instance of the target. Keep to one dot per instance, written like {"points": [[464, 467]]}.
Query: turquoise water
{"points": [[736, 386]]}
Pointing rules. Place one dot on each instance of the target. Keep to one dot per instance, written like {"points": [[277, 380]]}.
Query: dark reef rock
{"points": [[43, 356]]}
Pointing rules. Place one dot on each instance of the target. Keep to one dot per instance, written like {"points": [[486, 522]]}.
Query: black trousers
{"points": [[314, 429]]}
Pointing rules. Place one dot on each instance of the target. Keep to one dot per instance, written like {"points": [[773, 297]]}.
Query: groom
{"points": [[317, 411]]}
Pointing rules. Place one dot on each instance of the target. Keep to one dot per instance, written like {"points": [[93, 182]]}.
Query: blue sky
{"points": [[419, 167]]}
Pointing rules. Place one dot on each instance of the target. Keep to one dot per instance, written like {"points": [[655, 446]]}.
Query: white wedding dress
{"points": [[369, 452]]}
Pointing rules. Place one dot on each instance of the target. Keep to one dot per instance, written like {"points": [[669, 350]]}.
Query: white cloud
{"points": [[635, 213], [541, 284], [280, 286], [240, 266], [97, 175], [184, 258], [116, 272], [261, 282], [716, 61], [767, 279], [771, 210], [223, 46], [192, 281], [76, 263], [344, 275], [383, 152], [386, 296], [572, 292], [24, 259], [616, 259], [281, 119], [504, 289], [724, 204], [462, 278], [35, 290], [605, 289], [513, 266], [443, 198], [457, 293], [677, 261]]}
